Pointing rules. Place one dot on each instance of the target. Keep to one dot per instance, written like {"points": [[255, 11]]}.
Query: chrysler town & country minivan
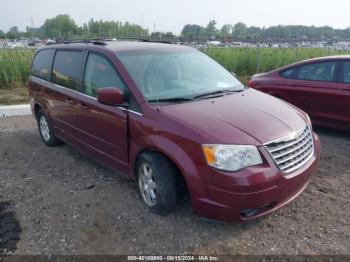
{"points": [[173, 119]]}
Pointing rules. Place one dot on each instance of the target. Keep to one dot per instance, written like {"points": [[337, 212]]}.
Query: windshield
{"points": [[162, 75]]}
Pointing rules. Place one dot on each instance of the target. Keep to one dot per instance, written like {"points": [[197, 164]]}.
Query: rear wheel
{"points": [[46, 131], [156, 182]]}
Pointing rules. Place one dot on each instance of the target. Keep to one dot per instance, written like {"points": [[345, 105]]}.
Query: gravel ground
{"points": [[67, 203]]}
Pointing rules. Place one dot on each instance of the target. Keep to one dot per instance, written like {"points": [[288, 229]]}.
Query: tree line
{"points": [[63, 26], [240, 31]]}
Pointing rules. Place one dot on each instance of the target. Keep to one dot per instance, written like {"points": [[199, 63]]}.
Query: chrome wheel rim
{"points": [[147, 184], [44, 128]]}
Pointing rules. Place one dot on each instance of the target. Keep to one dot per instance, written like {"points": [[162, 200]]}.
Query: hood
{"points": [[249, 117]]}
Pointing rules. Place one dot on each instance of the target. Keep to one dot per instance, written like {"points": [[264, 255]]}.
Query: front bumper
{"points": [[250, 193]]}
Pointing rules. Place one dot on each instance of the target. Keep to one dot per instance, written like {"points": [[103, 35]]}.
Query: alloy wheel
{"points": [[147, 184], [44, 128]]}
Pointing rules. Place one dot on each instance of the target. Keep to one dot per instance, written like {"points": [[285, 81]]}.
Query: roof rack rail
{"points": [[103, 41], [95, 41], [145, 40], [156, 41]]}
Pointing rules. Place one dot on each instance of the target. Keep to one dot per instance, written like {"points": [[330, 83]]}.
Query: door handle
{"points": [[69, 101]]}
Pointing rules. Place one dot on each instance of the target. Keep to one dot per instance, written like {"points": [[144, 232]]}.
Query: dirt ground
{"points": [[66, 203], [14, 96]]}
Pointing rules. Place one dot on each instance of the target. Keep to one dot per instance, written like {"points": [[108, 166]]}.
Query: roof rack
{"points": [[156, 41], [145, 40], [104, 41], [95, 41]]}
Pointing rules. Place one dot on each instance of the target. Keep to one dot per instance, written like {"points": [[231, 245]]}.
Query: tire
{"points": [[160, 180], [46, 131]]}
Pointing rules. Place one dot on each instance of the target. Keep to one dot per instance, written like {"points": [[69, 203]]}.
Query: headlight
{"points": [[231, 157]]}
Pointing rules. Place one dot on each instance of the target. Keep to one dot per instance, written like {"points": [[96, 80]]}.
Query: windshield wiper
{"points": [[171, 100], [220, 92]]}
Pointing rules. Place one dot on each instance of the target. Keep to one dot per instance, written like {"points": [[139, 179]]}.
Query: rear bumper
{"points": [[252, 192]]}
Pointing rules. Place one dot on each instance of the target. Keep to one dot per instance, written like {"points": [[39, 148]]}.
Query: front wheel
{"points": [[156, 182]]}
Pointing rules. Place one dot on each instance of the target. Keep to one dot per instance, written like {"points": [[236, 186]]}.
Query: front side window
{"points": [[42, 63], [324, 71], [100, 73], [346, 72], [66, 68], [164, 74]]}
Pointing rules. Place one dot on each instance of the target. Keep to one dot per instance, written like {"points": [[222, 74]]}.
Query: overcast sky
{"points": [[171, 15]]}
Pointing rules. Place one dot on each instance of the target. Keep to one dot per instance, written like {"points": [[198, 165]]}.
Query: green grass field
{"points": [[14, 67], [248, 61], [15, 64]]}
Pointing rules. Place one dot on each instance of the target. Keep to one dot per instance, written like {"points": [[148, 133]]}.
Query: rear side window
{"points": [[66, 68], [346, 72], [42, 63], [318, 71], [100, 73], [290, 73]]}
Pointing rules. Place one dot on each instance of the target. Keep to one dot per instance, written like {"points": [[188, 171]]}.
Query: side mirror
{"points": [[110, 96], [233, 73]]}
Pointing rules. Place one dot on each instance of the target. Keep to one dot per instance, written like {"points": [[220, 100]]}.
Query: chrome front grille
{"points": [[292, 152]]}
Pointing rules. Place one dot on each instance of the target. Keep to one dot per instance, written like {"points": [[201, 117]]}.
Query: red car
{"points": [[320, 87], [172, 118]]}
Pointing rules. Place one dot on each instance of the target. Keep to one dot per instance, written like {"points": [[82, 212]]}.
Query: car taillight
{"points": [[251, 83]]}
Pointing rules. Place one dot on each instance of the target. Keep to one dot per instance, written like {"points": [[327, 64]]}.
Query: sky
{"points": [[172, 15]]}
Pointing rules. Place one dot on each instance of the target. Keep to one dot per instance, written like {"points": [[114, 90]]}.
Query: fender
{"points": [[36, 99], [197, 187], [44, 107], [166, 147]]}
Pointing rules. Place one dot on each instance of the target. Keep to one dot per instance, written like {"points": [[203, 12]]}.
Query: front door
{"points": [[343, 102], [102, 128], [315, 90]]}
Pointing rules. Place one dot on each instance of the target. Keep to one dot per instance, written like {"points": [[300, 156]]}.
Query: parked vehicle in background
{"points": [[320, 87], [173, 119]]}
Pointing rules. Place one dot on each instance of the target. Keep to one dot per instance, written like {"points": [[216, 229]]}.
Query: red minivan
{"points": [[174, 119]]}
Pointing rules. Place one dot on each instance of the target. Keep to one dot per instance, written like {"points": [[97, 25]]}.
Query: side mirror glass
{"points": [[110, 96]]}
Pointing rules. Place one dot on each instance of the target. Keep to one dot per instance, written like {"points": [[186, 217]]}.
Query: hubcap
{"points": [[44, 128], [147, 184]]}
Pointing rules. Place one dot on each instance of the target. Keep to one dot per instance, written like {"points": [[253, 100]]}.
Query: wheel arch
{"points": [[174, 152], [171, 150], [180, 179]]}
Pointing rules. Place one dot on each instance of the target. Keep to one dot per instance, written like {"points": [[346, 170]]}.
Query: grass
{"points": [[15, 65], [248, 61], [14, 72]]}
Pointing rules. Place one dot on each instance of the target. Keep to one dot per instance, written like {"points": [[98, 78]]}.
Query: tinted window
{"points": [[42, 64], [318, 71], [100, 73], [290, 73], [66, 68], [346, 72]]}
